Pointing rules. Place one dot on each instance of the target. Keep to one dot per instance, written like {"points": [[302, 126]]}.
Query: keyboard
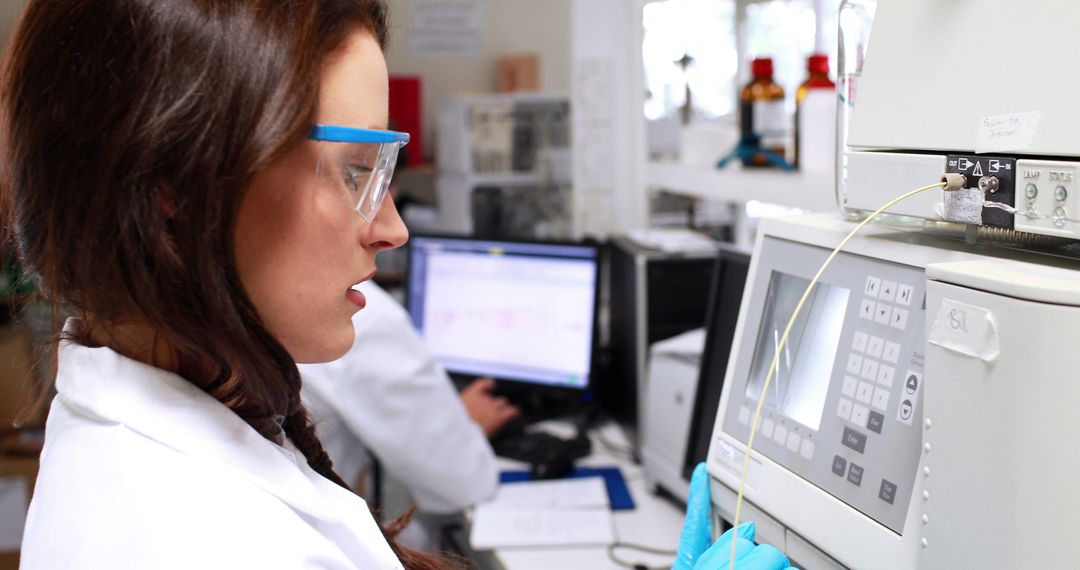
{"points": [[538, 446]]}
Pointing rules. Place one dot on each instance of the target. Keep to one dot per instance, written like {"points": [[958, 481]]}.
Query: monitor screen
{"points": [[729, 280], [520, 311], [801, 380]]}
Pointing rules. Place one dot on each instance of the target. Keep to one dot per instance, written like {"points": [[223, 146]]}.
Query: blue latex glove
{"points": [[695, 550]]}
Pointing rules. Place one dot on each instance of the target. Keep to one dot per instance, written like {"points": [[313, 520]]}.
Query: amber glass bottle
{"points": [[762, 114], [817, 66]]}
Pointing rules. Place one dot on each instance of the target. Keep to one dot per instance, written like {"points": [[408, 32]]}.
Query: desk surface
{"points": [[655, 521]]}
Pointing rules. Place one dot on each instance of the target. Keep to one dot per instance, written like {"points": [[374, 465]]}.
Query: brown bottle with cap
{"points": [[762, 114]]}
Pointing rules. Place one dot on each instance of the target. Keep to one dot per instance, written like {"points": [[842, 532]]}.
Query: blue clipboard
{"points": [[618, 493]]}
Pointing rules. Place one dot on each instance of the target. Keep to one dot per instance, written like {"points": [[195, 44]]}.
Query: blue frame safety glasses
{"points": [[357, 164]]}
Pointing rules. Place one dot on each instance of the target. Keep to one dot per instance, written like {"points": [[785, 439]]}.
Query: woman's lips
{"points": [[356, 297]]}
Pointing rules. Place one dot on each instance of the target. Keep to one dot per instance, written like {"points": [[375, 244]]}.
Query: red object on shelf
{"points": [[818, 64], [407, 112], [762, 67]]}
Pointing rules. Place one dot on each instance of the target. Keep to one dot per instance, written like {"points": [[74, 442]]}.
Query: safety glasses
{"points": [[357, 164]]}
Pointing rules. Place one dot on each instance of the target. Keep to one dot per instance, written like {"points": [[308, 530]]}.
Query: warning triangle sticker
{"points": [[978, 170]]}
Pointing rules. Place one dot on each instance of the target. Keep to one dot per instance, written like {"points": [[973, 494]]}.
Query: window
{"points": [[704, 30]]}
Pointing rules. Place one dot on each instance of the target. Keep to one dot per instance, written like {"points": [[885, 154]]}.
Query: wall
{"points": [[9, 11], [512, 27], [608, 98]]}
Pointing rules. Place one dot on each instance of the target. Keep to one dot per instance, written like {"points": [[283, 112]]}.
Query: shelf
{"points": [[808, 191], [503, 178]]}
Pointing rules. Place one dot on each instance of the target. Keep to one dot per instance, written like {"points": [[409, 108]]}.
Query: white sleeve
{"points": [[396, 398]]}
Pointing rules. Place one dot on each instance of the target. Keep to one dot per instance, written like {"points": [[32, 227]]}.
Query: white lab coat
{"points": [[142, 470], [388, 394]]}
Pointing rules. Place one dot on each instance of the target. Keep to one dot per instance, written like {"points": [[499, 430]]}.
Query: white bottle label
{"points": [[770, 122]]}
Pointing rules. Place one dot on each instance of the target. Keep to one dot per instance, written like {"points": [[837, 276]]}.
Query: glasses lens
{"points": [[378, 183], [357, 173]]}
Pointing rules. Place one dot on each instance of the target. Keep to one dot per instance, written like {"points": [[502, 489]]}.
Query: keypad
{"points": [[854, 474], [859, 342], [885, 375], [904, 293], [882, 314], [854, 440], [909, 393], [881, 399], [865, 392], [888, 291], [843, 409], [869, 369], [854, 364], [873, 285], [892, 352], [875, 346], [850, 384], [875, 422], [887, 492], [839, 466], [859, 414], [870, 377], [899, 319], [866, 310]]}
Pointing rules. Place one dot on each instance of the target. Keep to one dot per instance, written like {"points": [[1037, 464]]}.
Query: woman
{"points": [[163, 183], [200, 184]]}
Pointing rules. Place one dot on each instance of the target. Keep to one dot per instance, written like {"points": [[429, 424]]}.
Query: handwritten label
{"points": [[1010, 132], [966, 329]]}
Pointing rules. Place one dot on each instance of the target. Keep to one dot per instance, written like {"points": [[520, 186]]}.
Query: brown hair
{"points": [[131, 129]]}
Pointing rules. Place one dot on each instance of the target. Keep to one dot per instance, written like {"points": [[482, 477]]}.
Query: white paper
{"points": [[966, 329], [13, 502], [585, 492], [567, 512], [689, 343], [493, 527], [1008, 132], [447, 27], [676, 240]]}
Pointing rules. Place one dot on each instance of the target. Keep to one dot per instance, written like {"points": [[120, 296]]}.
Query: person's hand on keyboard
{"points": [[696, 552], [489, 412]]}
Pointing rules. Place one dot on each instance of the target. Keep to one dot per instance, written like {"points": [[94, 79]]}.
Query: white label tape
{"points": [[966, 329], [731, 460], [1009, 132]]}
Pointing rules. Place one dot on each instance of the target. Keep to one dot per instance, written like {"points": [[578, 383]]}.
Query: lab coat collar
{"points": [[162, 406]]}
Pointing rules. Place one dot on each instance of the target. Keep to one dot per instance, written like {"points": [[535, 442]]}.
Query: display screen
{"points": [[801, 383], [518, 311]]}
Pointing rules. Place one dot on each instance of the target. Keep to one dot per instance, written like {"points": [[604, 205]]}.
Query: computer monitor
{"points": [[512, 310], [729, 280]]}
